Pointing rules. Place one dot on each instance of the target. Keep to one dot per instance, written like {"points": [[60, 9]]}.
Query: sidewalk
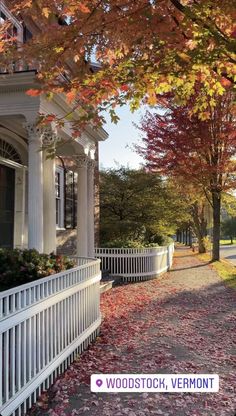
{"points": [[183, 322]]}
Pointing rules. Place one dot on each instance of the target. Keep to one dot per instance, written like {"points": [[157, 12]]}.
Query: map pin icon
{"points": [[99, 382]]}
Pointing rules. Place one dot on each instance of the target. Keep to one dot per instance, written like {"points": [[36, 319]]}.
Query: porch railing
{"points": [[43, 325], [134, 264]]}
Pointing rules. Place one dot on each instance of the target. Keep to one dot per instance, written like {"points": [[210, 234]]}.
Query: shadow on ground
{"points": [[182, 323]]}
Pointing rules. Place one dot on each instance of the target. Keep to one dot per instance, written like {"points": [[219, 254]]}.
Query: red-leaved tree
{"points": [[200, 152]]}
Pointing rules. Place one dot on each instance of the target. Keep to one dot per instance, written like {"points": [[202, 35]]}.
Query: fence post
{"points": [[168, 257]]}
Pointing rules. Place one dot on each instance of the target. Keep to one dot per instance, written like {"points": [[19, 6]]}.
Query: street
{"points": [[229, 253]]}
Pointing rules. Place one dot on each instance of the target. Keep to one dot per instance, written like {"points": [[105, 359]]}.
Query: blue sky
{"points": [[117, 148]]}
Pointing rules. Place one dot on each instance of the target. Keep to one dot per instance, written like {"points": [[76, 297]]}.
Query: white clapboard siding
{"points": [[43, 326], [135, 264]]}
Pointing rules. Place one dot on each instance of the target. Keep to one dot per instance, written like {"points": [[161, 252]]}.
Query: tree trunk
{"points": [[216, 201], [232, 241], [201, 246], [199, 225]]}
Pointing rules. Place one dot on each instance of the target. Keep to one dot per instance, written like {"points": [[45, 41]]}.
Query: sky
{"points": [[117, 149]]}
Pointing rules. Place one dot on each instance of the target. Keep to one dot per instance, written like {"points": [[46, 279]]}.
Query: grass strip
{"points": [[225, 270]]}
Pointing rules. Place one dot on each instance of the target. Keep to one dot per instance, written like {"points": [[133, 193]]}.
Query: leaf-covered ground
{"points": [[183, 322]]}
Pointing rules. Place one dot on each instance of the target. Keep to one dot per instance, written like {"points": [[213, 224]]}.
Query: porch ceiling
{"points": [[14, 124], [69, 147]]}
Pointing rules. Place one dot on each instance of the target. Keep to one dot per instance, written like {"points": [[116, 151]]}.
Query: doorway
{"points": [[7, 204]]}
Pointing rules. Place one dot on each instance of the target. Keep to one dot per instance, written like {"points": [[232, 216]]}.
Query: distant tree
{"points": [[196, 201], [200, 152], [199, 224], [229, 204], [137, 205], [228, 228]]}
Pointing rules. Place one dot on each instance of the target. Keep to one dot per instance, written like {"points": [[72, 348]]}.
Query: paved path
{"points": [[183, 322], [229, 253]]}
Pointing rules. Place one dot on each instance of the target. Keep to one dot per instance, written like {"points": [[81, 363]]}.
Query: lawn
{"points": [[225, 270], [226, 242]]}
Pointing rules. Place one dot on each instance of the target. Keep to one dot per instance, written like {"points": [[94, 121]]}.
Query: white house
{"points": [[39, 196]]}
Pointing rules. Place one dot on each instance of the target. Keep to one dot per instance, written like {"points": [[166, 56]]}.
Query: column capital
{"points": [[91, 164], [33, 130], [49, 136], [45, 134], [81, 161]]}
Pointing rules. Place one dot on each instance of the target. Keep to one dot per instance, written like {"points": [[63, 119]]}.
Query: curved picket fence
{"points": [[43, 326], [135, 264]]}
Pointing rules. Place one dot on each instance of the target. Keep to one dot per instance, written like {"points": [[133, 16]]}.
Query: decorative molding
{"points": [[34, 131], [81, 161], [49, 137], [12, 164], [91, 164], [45, 134], [7, 151], [19, 82], [19, 180]]}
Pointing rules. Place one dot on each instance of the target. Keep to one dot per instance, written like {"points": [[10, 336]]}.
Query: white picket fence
{"points": [[135, 264], [43, 326]]}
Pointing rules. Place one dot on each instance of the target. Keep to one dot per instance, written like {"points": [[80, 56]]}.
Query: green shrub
{"points": [[23, 266], [162, 240], [150, 245], [128, 243], [122, 243]]}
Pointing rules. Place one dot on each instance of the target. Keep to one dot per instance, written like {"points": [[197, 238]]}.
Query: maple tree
{"points": [[200, 152], [142, 49]]}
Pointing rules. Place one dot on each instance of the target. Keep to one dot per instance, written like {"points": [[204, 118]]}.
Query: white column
{"points": [[49, 197], [91, 165], [82, 206], [49, 204], [35, 189]]}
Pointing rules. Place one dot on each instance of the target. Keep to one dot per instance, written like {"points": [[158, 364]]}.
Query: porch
{"points": [[28, 208]]}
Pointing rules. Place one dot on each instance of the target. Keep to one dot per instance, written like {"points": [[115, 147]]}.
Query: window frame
{"points": [[72, 197], [60, 225], [15, 22]]}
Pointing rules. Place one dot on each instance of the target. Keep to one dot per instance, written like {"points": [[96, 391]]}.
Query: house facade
{"points": [[44, 202]]}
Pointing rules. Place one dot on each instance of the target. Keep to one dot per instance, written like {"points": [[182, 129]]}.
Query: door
{"points": [[7, 196]]}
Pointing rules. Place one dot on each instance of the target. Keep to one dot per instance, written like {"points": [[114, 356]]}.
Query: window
{"points": [[16, 29], [70, 199], [66, 198], [8, 151], [59, 188], [12, 33]]}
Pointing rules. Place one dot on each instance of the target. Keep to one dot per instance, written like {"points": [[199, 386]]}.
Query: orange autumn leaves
{"points": [[142, 50]]}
